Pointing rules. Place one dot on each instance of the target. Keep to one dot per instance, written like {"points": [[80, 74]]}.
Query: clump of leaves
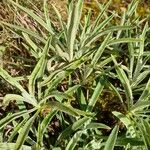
{"points": [[77, 65]]}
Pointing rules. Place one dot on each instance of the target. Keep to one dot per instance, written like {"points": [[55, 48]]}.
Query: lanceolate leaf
{"points": [[140, 105], [4, 74], [24, 132], [146, 92], [145, 130], [110, 143], [16, 84], [67, 69], [82, 99], [97, 91], [10, 146], [68, 109], [34, 47], [86, 28], [68, 131], [46, 13], [127, 122], [94, 144], [141, 50], [97, 126], [11, 117], [133, 141], [101, 14], [131, 8], [55, 81], [72, 143], [94, 36], [10, 97], [125, 82], [97, 35], [103, 24], [42, 127], [124, 40], [63, 25], [140, 78], [39, 69], [28, 31], [123, 19], [100, 50], [73, 24], [16, 130], [72, 89]]}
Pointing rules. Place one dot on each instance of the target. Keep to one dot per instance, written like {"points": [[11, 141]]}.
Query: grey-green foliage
{"points": [[80, 53]]}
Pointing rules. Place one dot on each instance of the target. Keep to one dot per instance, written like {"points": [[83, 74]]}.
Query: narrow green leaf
{"points": [[124, 40], [16, 130], [55, 81], [68, 109], [125, 82], [62, 95], [140, 53], [97, 32], [110, 143], [73, 142], [105, 62], [10, 97], [60, 50], [34, 47], [82, 99], [140, 105], [86, 28], [97, 91], [43, 126], [10, 146], [75, 126], [100, 50], [97, 126], [57, 95], [140, 78], [131, 8], [146, 92], [46, 13], [47, 120], [52, 81], [11, 117], [97, 35], [39, 69], [4, 74], [73, 24], [24, 132], [145, 130], [99, 17], [123, 19], [116, 91], [63, 72], [94, 145], [132, 141], [101, 26], [28, 31], [73, 89], [127, 122], [63, 26]]}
